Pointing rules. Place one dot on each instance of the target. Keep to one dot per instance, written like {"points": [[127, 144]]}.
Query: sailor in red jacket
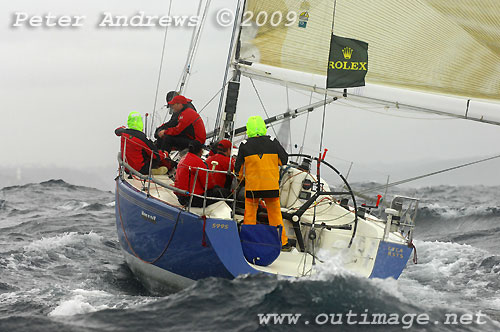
{"points": [[221, 161], [187, 179], [184, 127], [137, 147]]}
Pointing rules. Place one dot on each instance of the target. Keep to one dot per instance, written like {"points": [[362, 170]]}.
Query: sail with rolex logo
{"points": [[436, 47]]}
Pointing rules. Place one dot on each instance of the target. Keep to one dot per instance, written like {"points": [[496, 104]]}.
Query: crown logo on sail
{"points": [[347, 52], [303, 18]]}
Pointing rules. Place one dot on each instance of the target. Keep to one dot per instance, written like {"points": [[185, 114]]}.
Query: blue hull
{"points": [[173, 240], [183, 244]]}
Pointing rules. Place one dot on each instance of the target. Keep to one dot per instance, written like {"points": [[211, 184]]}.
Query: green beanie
{"points": [[135, 121], [256, 126]]}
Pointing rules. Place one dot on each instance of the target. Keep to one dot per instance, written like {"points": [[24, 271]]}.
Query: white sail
{"points": [[288, 45], [435, 46]]}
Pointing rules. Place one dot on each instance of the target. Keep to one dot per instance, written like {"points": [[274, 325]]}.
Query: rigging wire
{"points": [[186, 69], [289, 128], [428, 174], [193, 48], [305, 127], [211, 99], [326, 88], [159, 70], [206, 105], [311, 238], [299, 91], [262, 104], [374, 109], [183, 79]]}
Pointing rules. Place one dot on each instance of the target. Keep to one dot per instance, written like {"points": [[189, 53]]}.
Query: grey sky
{"points": [[65, 90]]}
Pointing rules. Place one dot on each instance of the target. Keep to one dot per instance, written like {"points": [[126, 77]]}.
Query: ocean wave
{"points": [[43, 256], [79, 303], [434, 211], [238, 304], [98, 207], [72, 307], [50, 183], [469, 271], [72, 205], [54, 185], [474, 235], [4, 287], [83, 301], [49, 243], [19, 212], [77, 279], [491, 263], [34, 301], [49, 251], [57, 183], [333, 268]]}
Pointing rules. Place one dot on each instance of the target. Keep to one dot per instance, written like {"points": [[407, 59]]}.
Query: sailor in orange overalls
{"points": [[258, 160]]}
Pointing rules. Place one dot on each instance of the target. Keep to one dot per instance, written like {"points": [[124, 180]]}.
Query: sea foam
{"points": [[65, 239]]}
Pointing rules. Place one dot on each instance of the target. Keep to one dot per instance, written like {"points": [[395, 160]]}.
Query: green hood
{"points": [[256, 126], [135, 121]]}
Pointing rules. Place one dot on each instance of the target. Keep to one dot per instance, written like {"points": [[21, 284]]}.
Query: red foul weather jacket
{"points": [[185, 177], [138, 149], [220, 179], [189, 124]]}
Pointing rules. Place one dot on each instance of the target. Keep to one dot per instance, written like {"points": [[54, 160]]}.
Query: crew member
{"points": [[138, 148], [171, 94], [191, 176], [172, 122], [184, 127], [258, 160], [221, 161]]}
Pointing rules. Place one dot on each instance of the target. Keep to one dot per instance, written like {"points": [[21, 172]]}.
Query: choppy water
{"points": [[61, 269]]}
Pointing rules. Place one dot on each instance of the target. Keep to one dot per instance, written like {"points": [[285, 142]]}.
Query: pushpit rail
{"points": [[401, 215]]}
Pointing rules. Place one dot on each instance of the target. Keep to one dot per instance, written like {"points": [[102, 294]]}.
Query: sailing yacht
{"points": [[170, 246]]}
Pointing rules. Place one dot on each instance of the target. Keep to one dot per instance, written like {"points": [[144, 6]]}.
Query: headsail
{"points": [[434, 46]]}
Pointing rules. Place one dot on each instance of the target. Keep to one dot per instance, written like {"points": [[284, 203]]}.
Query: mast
{"points": [[233, 86]]}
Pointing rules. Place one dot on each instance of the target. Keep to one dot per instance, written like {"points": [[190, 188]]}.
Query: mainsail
{"points": [[302, 44], [434, 46]]}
